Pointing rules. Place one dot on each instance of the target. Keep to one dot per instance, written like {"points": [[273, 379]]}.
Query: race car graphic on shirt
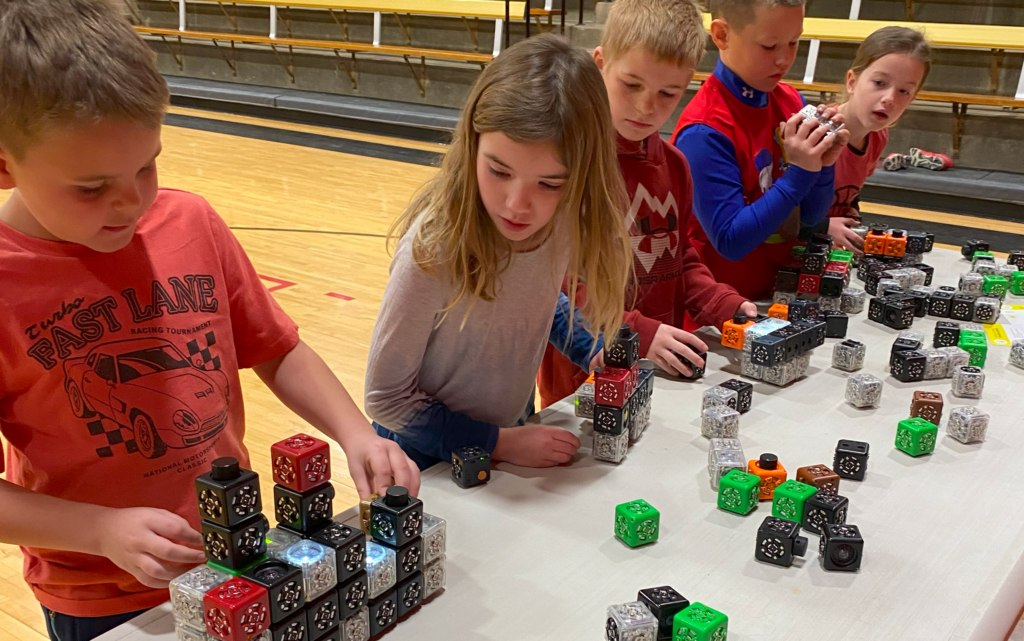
{"points": [[146, 385]]}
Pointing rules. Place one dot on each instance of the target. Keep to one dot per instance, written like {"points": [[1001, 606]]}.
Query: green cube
{"points": [[976, 347], [739, 492], [841, 255], [236, 572], [973, 334], [698, 622], [996, 284], [636, 523], [1017, 284], [790, 498], [916, 436], [977, 255]]}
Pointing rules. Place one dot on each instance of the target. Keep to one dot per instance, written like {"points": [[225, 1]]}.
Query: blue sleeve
{"points": [[569, 334], [735, 228], [437, 430], [815, 205]]}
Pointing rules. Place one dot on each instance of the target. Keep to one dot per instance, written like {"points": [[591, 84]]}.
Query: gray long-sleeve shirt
{"points": [[447, 386]]}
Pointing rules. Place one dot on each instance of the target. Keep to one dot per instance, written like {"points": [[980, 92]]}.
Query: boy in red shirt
{"points": [[648, 54], [759, 170], [128, 312]]}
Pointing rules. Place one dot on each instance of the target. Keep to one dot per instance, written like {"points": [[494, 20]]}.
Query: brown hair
{"points": [[740, 13], [539, 90], [672, 30], [893, 40], [68, 61]]}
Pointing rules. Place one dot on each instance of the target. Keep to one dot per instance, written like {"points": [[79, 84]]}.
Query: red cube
{"points": [[301, 462], [837, 266], [808, 284], [612, 386], [238, 610]]}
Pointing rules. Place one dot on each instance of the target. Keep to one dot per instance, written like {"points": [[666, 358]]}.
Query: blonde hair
{"points": [[539, 90], [740, 13], [71, 61], [672, 30], [892, 40]]}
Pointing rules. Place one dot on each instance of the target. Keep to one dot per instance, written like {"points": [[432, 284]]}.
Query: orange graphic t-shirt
{"points": [[119, 377]]}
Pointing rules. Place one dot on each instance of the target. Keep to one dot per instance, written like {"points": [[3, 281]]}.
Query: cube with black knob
{"points": [[625, 350], [396, 518]]}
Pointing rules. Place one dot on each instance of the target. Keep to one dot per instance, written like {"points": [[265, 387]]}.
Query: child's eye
{"points": [[499, 173], [668, 94], [550, 187], [879, 83], [769, 48], [904, 92], [91, 191], [631, 85]]}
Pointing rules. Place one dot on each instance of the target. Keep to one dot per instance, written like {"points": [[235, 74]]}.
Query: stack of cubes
{"points": [[980, 291], [662, 614], [910, 361], [817, 273], [782, 355], [721, 407], [622, 398]]}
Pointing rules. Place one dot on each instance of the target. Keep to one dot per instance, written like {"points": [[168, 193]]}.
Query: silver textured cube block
{"points": [[630, 622], [381, 568], [848, 355], [903, 277], [187, 594], [318, 564], [781, 374], [922, 289], [986, 309], [968, 382], [724, 454], [585, 401], [917, 278], [720, 422], [887, 285], [830, 303], [853, 301], [985, 267], [1017, 354], [801, 364], [187, 633], [610, 448], [911, 335], [936, 363], [913, 259], [435, 538], [357, 626], [434, 576], [719, 395], [958, 358], [1006, 271], [863, 390], [967, 424], [972, 283], [749, 369], [783, 297]]}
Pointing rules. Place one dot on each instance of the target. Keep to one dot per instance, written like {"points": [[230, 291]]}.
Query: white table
{"points": [[531, 555]]}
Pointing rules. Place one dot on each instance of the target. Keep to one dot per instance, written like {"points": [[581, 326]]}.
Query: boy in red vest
{"points": [[759, 170], [648, 54]]}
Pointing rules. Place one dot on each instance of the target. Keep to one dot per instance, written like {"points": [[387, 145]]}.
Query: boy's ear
{"points": [[599, 57], [6, 179], [720, 33], [851, 80]]}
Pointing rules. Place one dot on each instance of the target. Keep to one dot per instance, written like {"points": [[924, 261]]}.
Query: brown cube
{"points": [[820, 477], [927, 405]]}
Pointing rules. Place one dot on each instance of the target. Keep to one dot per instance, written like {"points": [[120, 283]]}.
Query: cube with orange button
{"points": [[733, 330], [896, 243], [778, 310], [875, 240], [770, 471]]}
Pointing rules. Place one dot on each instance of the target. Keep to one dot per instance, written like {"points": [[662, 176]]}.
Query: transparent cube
{"points": [[611, 448], [719, 395], [921, 289], [984, 267], [585, 401], [972, 327], [967, 424], [912, 336], [761, 328], [853, 301], [279, 540], [863, 390], [986, 309], [848, 355], [830, 303], [749, 369], [1006, 271], [968, 382], [958, 358], [972, 283], [434, 537], [916, 276], [187, 593], [801, 364], [434, 576], [721, 461], [630, 622], [357, 626], [381, 568], [318, 564], [641, 419], [886, 285], [903, 277], [720, 422], [783, 374], [188, 633], [783, 297], [936, 363], [913, 259], [1017, 353]]}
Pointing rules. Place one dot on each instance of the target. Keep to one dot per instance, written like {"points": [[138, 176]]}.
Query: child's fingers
{"points": [[380, 466], [684, 350], [828, 113], [165, 550], [793, 125], [673, 365], [565, 436], [160, 574], [173, 527], [689, 339], [404, 471], [361, 479]]}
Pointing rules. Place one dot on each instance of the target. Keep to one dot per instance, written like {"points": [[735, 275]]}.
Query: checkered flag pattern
{"points": [[209, 361], [113, 437]]}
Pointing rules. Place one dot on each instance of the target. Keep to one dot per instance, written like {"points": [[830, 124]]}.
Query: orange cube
{"points": [[734, 330], [779, 310], [896, 243], [770, 471], [874, 242]]}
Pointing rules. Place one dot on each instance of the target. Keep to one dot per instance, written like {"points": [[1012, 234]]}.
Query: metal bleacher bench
{"points": [[283, 44]]}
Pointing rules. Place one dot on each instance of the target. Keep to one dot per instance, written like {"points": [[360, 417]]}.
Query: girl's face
{"points": [[881, 93], [521, 184]]}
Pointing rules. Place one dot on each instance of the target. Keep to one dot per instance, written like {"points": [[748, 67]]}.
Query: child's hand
{"points": [[805, 142], [670, 339], [749, 309], [377, 463], [843, 236], [155, 546], [535, 446], [597, 362]]}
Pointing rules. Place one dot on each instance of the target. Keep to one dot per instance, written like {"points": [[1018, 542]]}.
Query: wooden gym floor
{"points": [[311, 206]]}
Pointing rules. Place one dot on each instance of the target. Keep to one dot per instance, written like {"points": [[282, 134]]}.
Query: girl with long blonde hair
{"points": [[529, 195]]}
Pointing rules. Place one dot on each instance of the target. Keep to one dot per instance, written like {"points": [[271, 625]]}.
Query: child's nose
{"points": [[518, 200]]}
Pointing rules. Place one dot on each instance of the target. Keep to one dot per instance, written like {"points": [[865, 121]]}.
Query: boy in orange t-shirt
{"points": [[128, 312]]}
